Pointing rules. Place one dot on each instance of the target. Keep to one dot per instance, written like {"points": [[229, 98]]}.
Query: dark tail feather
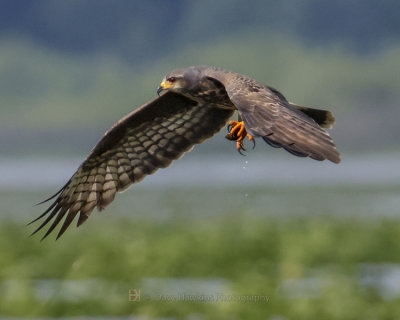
{"points": [[324, 118]]}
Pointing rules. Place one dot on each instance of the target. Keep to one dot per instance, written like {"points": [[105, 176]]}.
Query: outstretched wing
{"points": [[149, 138], [267, 113]]}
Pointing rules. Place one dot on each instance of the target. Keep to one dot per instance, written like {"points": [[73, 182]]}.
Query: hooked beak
{"points": [[164, 86]]}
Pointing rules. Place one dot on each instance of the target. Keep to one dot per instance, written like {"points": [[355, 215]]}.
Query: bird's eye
{"points": [[171, 79]]}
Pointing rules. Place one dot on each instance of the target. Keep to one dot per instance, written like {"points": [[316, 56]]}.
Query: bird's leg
{"points": [[237, 132]]}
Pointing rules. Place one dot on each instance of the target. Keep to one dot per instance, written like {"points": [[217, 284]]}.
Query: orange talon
{"points": [[238, 133]]}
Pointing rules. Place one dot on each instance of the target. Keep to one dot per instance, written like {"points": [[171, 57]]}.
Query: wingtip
{"points": [[59, 235], [52, 197], [61, 232], [338, 160]]}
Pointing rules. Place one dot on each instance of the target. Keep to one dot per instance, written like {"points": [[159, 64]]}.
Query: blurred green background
{"points": [[317, 240]]}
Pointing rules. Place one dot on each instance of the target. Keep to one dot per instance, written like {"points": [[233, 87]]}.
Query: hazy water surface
{"points": [[216, 170]]}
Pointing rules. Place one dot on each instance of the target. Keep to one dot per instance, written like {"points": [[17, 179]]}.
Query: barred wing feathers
{"points": [[145, 140]]}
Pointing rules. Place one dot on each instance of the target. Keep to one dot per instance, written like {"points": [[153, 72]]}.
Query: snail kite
{"points": [[196, 103]]}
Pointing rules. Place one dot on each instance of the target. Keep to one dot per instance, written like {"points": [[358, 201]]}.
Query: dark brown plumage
{"points": [[199, 102]]}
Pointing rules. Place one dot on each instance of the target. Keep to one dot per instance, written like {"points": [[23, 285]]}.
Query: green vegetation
{"points": [[314, 266]]}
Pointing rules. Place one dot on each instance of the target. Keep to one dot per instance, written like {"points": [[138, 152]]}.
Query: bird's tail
{"points": [[324, 118]]}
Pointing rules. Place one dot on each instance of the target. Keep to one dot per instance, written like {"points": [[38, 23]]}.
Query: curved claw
{"points": [[240, 151], [254, 142], [231, 137], [240, 147]]}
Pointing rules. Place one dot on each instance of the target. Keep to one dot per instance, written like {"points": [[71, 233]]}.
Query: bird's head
{"points": [[181, 79]]}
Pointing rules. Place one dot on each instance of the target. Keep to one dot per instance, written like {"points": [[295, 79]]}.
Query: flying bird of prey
{"points": [[196, 102]]}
